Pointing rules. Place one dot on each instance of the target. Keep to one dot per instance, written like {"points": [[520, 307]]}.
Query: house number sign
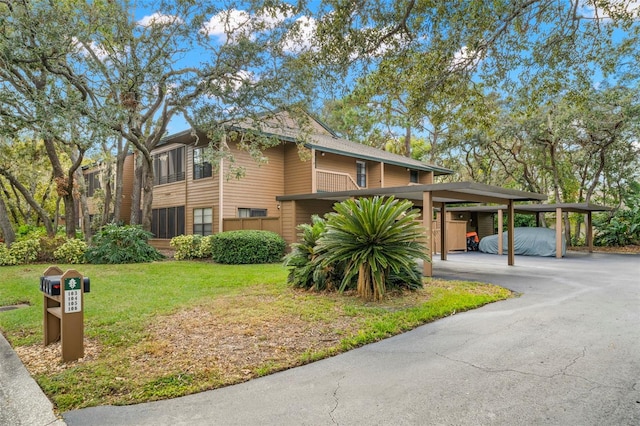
{"points": [[72, 295]]}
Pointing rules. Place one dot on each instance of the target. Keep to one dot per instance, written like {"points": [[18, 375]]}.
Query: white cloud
{"points": [[617, 6], [302, 38], [465, 59], [234, 23], [226, 22], [159, 19]]}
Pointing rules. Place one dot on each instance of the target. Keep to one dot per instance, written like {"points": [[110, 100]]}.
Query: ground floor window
{"points": [[167, 222], [202, 221], [246, 212]]}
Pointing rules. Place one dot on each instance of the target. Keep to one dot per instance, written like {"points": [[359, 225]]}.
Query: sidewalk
{"points": [[21, 399]]}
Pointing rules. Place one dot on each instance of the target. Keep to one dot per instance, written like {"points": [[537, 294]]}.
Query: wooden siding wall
{"points": [[374, 174], [485, 224], [200, 193], [295, 213], [254, 223], [297, 179], [260, 185], [425, 178], [395, 176], [338, 163]]}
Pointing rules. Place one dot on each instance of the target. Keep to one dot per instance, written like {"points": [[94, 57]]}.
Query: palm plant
{"points": [[374, 238], [300, 261]]}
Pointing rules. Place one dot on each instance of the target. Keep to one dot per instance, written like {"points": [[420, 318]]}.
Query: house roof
{"points": [[322, 139], [457, 192], [536, 208]]}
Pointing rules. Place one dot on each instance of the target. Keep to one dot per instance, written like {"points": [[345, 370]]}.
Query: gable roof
{"points": [[317, 135]]}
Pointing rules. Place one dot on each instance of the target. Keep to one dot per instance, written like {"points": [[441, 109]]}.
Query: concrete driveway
{"points": [[566, 352]]}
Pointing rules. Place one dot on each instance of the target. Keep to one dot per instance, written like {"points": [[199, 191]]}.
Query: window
{"points": [[243, 212], [202, 221], [201, 167], [168, 166], [167, 222], [413, 176], [361, 174], [92, 182]]}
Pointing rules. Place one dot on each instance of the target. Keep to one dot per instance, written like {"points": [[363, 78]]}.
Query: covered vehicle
{"points": [[527, 241]]}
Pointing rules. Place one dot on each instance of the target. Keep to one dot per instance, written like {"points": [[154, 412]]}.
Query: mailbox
{"points": [[63, 310]]}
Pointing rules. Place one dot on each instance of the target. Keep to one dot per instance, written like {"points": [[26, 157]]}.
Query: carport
{"points": [[539, 210], [429, 196]]}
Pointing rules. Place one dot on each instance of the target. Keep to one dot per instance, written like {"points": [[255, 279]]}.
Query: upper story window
{"points": [[168, 166], [414, 176], [244, 212], [201, 166], [92, 182], [361, 174]]}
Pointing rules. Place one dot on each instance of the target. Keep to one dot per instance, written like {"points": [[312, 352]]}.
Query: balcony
{"points": [[327, 181]]}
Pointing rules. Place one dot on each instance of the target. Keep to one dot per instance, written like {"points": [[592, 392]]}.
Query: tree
{"points": [[37, 97], [428, 65], [92, 70]]}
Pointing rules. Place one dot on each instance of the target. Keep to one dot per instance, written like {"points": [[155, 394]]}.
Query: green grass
{"points": [[129, 303]]}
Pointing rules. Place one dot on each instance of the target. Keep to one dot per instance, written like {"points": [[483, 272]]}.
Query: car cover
{"points": [[527, 241]]}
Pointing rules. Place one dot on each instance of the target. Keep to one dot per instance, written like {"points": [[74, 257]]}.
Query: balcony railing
{"points": [[327, 181]]}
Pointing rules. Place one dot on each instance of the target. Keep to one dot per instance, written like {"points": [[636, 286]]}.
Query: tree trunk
{"points": [[108, 196], [137, 191], [121, 157], [147, 192], [84, 206], [407, 142], [42, 214], [5, 224]]}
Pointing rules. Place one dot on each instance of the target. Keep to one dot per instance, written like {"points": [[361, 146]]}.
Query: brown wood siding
{"points": [[289, 231], [485, 224], [425, 178], [374, 174], [200, 194], [307, 208], [260, 185], [271, 224], [297, 173], [395, 176], [338, 163]]}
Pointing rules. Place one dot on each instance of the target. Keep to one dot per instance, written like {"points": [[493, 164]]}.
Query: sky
{"points": [[236, 18]]}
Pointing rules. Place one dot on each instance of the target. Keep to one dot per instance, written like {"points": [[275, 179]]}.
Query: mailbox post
{"points": [[63, 310]]}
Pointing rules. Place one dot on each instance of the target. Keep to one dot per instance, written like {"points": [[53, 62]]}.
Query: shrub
{"points": [[243, 247], [25, 251], [191, 247], [121, 244], [622, 227], [6, 258], [72, 251], [377, 239], [48, 246], [304, 268]]}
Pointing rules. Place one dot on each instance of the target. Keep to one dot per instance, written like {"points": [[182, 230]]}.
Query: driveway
{"points": [[566, 352]]}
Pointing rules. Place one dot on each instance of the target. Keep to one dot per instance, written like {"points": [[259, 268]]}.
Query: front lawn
{"points": [[167, 329]]}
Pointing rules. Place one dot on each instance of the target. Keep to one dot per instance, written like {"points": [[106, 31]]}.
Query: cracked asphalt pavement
{"points": [[565, 352]]}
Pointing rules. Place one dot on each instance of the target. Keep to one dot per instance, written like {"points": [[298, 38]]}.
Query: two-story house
{"points": [[191, 197], [304, 173]]}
